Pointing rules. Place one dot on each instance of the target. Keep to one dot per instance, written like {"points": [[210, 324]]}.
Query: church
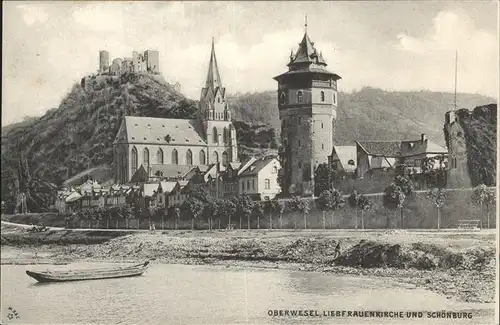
{"points": [[208, 139]]}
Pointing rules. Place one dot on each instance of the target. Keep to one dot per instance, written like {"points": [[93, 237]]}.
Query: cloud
{"points": [[434, 55], [33, 13], [100, 16]]}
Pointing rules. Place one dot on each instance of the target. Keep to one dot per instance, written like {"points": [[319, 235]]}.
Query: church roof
{"points": [[163, 131], [213, 76]]}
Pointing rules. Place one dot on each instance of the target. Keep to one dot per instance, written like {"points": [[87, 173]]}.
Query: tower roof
{"points": [[306, 53], [307, 60], [213, 76]]}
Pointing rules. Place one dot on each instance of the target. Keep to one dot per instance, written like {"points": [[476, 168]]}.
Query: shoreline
{"points": [[300, 251]]}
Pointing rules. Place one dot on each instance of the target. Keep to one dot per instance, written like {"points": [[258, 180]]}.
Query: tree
{"points": [[177, 215], [193, 207], [244, 205], [257, 212], [322, 203], [323, 176], [281, 208], [304, 208], [480, 195], [271, 207], [293, 205], [408, 189], [353, 203], [364, 205], [490, 200], [438, 196], [394, 199]]}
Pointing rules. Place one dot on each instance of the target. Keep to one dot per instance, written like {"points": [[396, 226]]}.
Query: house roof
{"points": [[177, 171], [167, 187], [162, 131], [381, 148], [257, 166], [245, 163], [417, 147], [346, 153], [149, 189]]}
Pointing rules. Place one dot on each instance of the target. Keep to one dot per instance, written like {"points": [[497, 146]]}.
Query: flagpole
{"points": [[456, 76]]}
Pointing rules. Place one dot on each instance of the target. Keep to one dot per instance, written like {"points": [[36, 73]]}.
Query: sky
{"points": [[49, 46]]}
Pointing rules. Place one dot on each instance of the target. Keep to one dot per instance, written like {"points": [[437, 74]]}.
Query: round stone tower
{"points": [[103, 61], [307, 102]]}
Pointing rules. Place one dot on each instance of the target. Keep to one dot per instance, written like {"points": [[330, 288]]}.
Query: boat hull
{"points": [[97, 274]]}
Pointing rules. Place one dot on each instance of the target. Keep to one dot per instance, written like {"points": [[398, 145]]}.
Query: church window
{"points": [[175, 157], [146, 157], [299, 96], [189, 157], [202, 157], [215, 157], [322, 96], [224, 135], [282, 98], [159, 157], [225, 158], [215, 135], [134, 160]]}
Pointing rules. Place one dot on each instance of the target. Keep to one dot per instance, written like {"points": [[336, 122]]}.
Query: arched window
{"points": [[322, 96], [225, 158], [159, 157], [215, 135], [202, 157], [146, 157], [134, 160], [282, 98], [224, 135], [189, 157], [299, 96], [215, 157], [175, 157]]}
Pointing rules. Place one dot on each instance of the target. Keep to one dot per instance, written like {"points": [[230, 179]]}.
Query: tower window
{"points": [[299, 143], [334, 98], [321, 124], [322, 96], [322, 146], [282, 98], [299, 96]]}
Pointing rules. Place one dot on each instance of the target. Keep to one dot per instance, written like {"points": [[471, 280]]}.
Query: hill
{"points": [[369, 114], [75, 139]]}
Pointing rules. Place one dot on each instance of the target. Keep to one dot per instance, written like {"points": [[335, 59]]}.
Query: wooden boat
{"points": [[90, 274]]}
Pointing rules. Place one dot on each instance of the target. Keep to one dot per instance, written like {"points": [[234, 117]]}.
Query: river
{"points": [[185, 294]]}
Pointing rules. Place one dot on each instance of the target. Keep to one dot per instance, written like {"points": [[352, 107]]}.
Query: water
{"points": [[182, 294]]}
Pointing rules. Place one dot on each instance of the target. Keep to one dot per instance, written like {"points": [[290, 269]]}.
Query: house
{"points": [[178, 195], [343, 160], [415, 152], [164, 190], [230, 180], [259, 179], [375, 157]]}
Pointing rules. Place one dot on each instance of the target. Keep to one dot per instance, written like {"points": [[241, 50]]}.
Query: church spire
{"points": [[213, 76]]}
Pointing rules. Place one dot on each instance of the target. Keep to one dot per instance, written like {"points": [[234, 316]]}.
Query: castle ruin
{"points": [[147, 62]]}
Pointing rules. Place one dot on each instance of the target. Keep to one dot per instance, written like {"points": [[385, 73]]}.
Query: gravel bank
{"points": [[459, 266]]}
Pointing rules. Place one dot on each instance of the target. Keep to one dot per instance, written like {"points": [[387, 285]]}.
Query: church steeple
{"points": [[213, 77]]}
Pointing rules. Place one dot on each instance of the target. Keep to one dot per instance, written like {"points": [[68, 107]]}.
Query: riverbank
{"points": [[458, 265]]}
